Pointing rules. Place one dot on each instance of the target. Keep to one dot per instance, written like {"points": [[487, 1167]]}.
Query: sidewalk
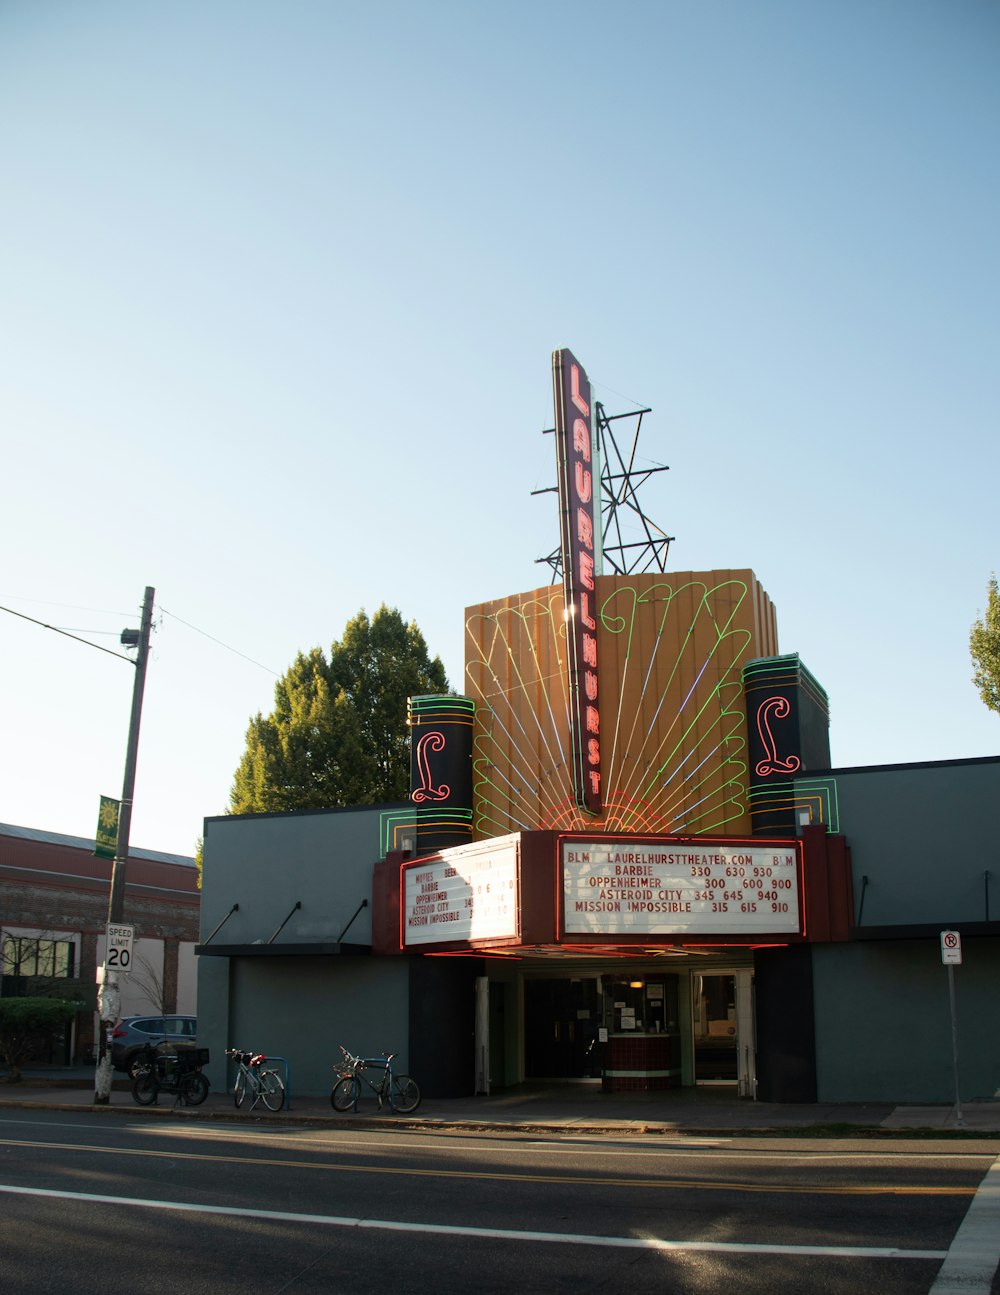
{"points": [[578, 1108]]}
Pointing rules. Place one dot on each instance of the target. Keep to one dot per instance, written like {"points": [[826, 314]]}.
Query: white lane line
{"points": [[974, 1254], [493, 1234]]}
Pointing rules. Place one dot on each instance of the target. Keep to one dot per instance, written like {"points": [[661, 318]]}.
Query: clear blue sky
{"points": [[280, 286]]}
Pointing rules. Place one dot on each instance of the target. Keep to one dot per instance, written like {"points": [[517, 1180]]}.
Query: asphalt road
{"points": [[122, 1203]]}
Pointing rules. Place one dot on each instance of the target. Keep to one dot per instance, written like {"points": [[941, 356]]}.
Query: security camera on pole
{"points": [[119, 936]]}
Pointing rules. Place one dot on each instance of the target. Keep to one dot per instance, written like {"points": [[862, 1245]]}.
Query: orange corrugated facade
{"points": [[672, 718]]}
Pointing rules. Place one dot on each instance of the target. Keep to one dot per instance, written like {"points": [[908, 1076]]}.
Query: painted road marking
{"points": [[974, 1253], [492, 1234], [689, 1149], [446, 1142], [467, 1175]]}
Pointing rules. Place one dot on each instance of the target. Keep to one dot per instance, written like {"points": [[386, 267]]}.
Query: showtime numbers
{"points": [[665, 888], [470, 894]]}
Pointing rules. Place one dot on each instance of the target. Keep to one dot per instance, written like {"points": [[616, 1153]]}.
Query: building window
{"points": [[641, 1004], [29, 955]]}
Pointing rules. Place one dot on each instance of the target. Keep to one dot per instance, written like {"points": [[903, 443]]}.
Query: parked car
{"points": [[134, 1033]]}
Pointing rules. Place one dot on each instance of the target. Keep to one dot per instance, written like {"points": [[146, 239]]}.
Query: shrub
{"points": [[27, 1026]]}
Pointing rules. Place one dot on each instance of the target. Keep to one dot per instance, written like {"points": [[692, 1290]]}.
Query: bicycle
{"points": [[263, 1085], [343, 1069], [401, 1091], [177, 1072]]}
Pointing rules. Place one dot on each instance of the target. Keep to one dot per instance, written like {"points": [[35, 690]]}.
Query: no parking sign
{"points": [[951, 948]]}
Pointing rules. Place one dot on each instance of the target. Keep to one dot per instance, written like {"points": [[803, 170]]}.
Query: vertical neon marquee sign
{"points": [[579, 520]]}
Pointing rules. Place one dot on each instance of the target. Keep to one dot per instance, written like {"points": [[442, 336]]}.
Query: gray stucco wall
{"points": [[213, 1017], [883, 1023], [301, 1009], [924, 836], [296, 1006], [267, 863]]}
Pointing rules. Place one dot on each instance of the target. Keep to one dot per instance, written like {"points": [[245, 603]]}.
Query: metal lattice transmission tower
{"points": [[621, 480]]}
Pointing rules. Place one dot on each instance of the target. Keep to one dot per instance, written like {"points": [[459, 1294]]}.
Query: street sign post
{"points": [[951, 956], [116, 899], [119, 954]]}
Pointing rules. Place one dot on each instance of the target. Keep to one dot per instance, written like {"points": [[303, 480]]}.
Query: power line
{"points": [[619, 394], [55, 630], [82, 629], [76, 607], [66, 633], [212, 639]]}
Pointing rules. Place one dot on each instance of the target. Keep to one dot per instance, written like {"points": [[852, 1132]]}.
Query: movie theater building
{"points": [[625, 860], [627, 958]]}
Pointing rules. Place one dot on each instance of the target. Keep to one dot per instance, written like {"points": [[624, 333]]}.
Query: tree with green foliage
{"points": [[337, 735], [28, 1026], [984, 645]]}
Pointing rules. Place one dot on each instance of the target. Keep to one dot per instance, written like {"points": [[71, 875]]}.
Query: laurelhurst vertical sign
{"points": [[579, 520]]}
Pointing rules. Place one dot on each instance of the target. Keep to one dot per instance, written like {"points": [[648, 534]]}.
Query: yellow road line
{"points": [[562, 1180]]}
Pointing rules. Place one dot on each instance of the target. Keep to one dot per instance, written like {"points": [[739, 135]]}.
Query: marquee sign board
{"points": [[623, 887], [469, 893]]}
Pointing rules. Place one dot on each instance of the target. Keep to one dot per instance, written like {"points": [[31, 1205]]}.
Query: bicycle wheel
{"points": [[272, 1090], [194, 1088], [240, 1091], [345, 1093], [404, 1095], [140, 1064], [145, 1088]]}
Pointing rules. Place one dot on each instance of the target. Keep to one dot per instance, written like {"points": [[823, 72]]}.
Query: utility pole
{"points": [[109, 997]]}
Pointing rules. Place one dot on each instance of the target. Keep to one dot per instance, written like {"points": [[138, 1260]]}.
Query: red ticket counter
{"points": [[641, 1062], [643, 1048]]}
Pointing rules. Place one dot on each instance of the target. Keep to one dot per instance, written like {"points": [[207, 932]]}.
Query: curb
{"points": [[872, 1132]]}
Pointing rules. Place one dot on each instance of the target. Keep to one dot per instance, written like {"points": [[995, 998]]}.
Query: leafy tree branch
{"points": [[337, 735], [984, 645]]}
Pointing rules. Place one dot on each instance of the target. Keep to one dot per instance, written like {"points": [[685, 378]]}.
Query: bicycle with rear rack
{"points": [[168, 1069], [376, 1074], [254, 1080]]}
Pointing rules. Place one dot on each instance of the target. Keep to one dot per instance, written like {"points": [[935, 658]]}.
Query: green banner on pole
{"points": [[106, 843]]}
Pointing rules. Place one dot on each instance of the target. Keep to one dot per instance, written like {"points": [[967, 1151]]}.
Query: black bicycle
{"points": [[177, 1071], [377, 1075]]}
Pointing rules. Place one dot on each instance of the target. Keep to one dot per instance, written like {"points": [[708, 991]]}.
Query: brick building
{"points": [[54, 895]]}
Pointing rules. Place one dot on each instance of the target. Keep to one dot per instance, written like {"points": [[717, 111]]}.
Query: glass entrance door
{"points": [[561, 1020], [716, 1042]]}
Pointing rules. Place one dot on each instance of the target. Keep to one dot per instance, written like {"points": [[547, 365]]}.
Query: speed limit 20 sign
{"points": [[119, 955]]}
